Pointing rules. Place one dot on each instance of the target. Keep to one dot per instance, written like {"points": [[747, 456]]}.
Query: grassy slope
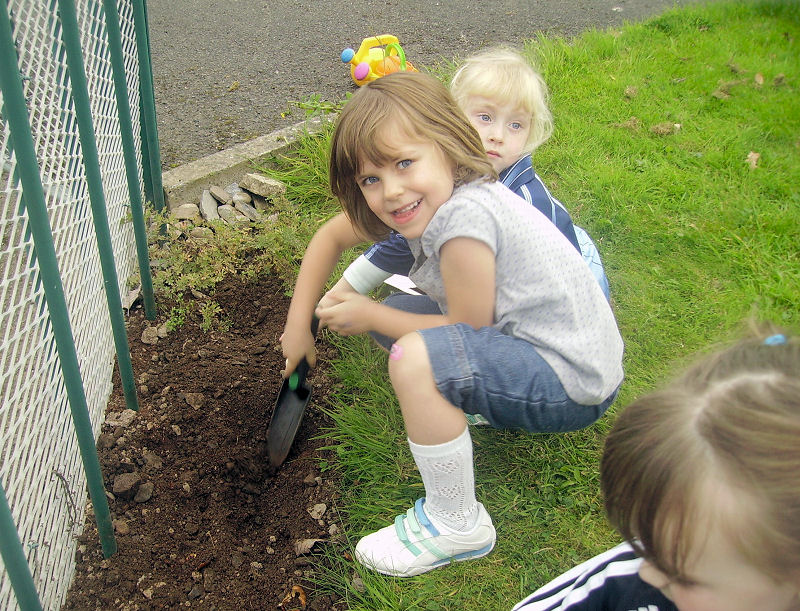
{"points": [[693, 239]]}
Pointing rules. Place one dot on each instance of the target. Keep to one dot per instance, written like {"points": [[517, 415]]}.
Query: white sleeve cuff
{"points": [[364, 275]]}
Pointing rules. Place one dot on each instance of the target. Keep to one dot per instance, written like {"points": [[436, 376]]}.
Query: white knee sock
{"points": [[449, 479]]}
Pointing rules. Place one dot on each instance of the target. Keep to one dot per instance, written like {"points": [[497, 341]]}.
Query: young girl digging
{"points": [[505, 99], [513, 325], [702, 478]]}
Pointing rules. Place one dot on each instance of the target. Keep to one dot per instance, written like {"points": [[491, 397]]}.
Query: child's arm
{"points": [[384, 258], [468, 270], [321, 256], [361, 276]]}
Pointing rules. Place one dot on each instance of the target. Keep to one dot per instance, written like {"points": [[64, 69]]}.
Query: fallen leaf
{"points": [[234, 86], [631, 91], [752, 159], [303, 547], [735, 68], [665, 129], [129, 299], [633, 124], [759, 79], [297, 591], [779, 79], [724, 89]]}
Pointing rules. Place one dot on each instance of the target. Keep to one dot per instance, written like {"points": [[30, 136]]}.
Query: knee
{"points": [[408, 359]]}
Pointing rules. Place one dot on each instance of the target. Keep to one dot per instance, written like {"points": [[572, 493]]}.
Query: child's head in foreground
{"points": [[506, 100], [703, 478], [377, 126]]}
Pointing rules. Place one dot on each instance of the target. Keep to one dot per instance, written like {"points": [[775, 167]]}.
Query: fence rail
{"points": [[71, 231]]}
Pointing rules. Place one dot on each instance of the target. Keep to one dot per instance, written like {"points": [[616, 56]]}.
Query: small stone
{"points": [[187, 212], [121, 527], [220, 194], [121, 419], [150, 335], [248, 210], [241, 197], [145, 493], [202, 233], [262, 185], [106, 441], [195, 593], [208, 206], [318, 510], [195, 399], [153, 460], [232, 216], [126, 485]]}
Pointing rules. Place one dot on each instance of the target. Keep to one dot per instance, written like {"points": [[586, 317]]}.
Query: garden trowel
{"points": [[289, 407]]}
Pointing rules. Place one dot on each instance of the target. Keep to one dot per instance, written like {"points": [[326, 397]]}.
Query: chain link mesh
{"points": [[40, 463]]}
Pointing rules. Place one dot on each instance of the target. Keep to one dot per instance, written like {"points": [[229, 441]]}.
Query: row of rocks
{"points": [[239, 204]]}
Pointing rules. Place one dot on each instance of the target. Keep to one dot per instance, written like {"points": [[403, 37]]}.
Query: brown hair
{"points": [[424, 109], [504, 75], [731, 421]]}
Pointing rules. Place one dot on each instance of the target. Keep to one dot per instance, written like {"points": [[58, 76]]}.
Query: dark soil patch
{"points": [[220, 529]]}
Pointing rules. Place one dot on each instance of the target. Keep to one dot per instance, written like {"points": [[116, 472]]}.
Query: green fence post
{"points": [[39, 224], [129, 150], [70, 38], [19, 573], [148, 101]]}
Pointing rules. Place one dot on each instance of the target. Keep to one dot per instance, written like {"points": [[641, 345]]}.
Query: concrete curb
{"points": [[185, 184]]}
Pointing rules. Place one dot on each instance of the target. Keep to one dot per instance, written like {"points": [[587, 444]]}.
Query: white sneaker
{"points": [[476, 420], [412, 545]]}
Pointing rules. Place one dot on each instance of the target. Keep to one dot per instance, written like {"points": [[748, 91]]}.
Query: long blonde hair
{"points": [[424, 109], [732, 420]]}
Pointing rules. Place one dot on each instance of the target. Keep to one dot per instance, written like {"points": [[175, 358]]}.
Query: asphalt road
{"points": [[227, 71]]}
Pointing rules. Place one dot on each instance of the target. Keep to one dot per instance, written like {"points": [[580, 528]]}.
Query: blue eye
{"points": [[515, 126], [484, 117], [369, 180], [403, 164]]}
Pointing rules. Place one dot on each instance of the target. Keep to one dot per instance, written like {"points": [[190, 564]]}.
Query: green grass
{"points": [[694, 241]]}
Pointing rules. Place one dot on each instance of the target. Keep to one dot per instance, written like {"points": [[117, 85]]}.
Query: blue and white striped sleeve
{"points": [[587, 586]]}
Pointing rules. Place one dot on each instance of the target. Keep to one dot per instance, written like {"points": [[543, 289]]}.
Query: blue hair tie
{"points": [[775, 340]]}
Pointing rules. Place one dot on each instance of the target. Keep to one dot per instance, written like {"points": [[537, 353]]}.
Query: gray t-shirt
{"points": [[545, 292]]}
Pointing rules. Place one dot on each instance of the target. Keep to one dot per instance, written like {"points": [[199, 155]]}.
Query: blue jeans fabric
{"points": [[500, 377]]}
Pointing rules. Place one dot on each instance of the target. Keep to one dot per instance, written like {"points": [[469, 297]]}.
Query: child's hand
{"points": [[348, 315], [297, 344], [337, 293]]}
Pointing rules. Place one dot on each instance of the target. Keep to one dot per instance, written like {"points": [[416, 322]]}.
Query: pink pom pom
{"points": [[361, 71]]}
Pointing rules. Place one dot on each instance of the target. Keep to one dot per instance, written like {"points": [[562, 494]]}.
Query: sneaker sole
{"points": [[413, 572]]}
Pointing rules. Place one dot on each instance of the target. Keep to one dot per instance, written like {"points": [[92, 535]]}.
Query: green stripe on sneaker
{"points": [[400, 529]]}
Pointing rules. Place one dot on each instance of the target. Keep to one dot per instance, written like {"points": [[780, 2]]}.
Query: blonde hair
{"points": [[503, 74], [423, 108], [730, 422]]}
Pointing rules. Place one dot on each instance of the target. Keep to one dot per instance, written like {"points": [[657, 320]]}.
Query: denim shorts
{"points": [[500, 377]]}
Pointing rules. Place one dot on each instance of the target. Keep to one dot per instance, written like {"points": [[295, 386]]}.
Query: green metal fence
{"points": [[77, 112]]}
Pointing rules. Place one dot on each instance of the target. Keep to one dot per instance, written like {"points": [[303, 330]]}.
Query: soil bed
{"points": [[220, 529]]}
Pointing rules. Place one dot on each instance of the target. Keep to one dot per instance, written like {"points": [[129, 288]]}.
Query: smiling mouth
{"points": [[406, 211]]}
